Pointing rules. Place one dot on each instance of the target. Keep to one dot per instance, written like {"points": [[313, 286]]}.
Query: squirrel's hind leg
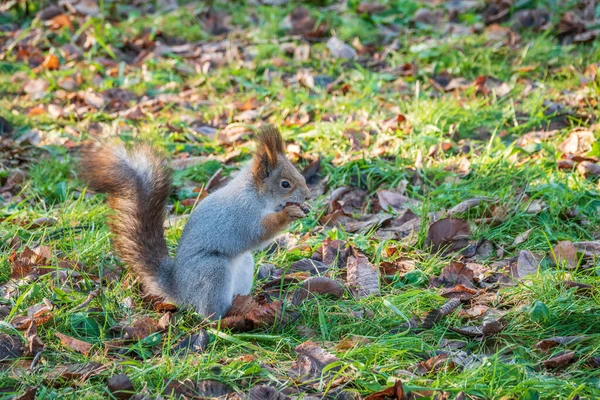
{"points": [[243, 274], [208, 286]]}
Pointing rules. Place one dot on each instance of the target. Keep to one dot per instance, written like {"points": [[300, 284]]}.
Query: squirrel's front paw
{"points": [[294, 212]]}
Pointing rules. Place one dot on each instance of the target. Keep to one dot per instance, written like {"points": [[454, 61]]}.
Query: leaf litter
{"points": [[469, 281]]}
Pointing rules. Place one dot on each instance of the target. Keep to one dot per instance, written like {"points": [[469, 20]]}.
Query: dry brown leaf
{"points": [[362, 276], [24, 263], [302, 23], [366, 222], [522, 238], [264, 392], [589, 249], [449, 234], [588, 169], [560, 360], [453, 274], [194, 343], [565, 254], [441, 362], [395, 392], [65, 374], [582, 288], [334, 253], [393, 200], [370, 8], [553, 342], [466, 205], [120, 386], [339, 49], [578, 143], [35, 344], [314, 267], [435, 316], [74, 344], [10, 347], [460, 292], [141, 328], [318, 285], [311, 361], [527, 264]]}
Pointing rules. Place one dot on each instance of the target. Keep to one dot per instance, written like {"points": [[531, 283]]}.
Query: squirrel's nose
{"points": [[308, 197]]}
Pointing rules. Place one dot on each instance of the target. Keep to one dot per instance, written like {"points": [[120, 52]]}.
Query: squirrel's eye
{"points": [[285, 184]]}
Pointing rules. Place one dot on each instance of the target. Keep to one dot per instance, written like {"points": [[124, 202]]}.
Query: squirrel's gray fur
{"points": [[214, 260]]}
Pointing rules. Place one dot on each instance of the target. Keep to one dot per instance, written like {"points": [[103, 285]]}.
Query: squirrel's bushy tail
{"points": [[138, 182]]}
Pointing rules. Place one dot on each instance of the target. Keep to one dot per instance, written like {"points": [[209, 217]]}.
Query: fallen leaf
{"points": [[582, 288], [448, 234], [441, 362], [93, 99], [370, 8], [314, 267], [194, 343], [120, 386], [141, 328], [311, 361], [247, 314], [318, 285], [10, 347], [24, 263], [395, 392], [588, 169], [435, 316], [63, 374], [578, 143], [393, 200], [36, 88], [178, 389], [522, 238], [352, 341], [264, 392], [302, 23], [527, 264], [366, 222], [553, 342], [453, 274], [29, 394], [535, 19], [362, 276], [565, 254], [210, 388], [589, 249], [215, 21], [51, 63], [428, 17], [560, 360], [74, 344], [35, 344], [488, 328], [334, 253], [466, 205], [340, 49], [535, 206], [460, 292]]}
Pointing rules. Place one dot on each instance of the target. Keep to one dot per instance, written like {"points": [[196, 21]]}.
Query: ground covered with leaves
{"points": [[453, 246]]}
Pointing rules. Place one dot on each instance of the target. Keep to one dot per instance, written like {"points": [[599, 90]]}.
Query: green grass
{"points": [[483, 129]]}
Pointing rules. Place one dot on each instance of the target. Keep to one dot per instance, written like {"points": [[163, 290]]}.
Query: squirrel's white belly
{"points": [[242, 271]]}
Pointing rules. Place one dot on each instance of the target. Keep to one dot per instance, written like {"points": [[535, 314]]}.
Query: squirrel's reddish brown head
{"points": [[273, 173]]}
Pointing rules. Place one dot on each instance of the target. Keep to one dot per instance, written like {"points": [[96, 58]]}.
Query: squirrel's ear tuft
{"points": [[268, 151]]}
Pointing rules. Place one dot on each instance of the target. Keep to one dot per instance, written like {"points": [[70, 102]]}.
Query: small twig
{"points": [[37, 357], [93, 294]]}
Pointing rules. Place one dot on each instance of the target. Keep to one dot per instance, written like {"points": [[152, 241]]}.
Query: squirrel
{"points": [[214, 261]]}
